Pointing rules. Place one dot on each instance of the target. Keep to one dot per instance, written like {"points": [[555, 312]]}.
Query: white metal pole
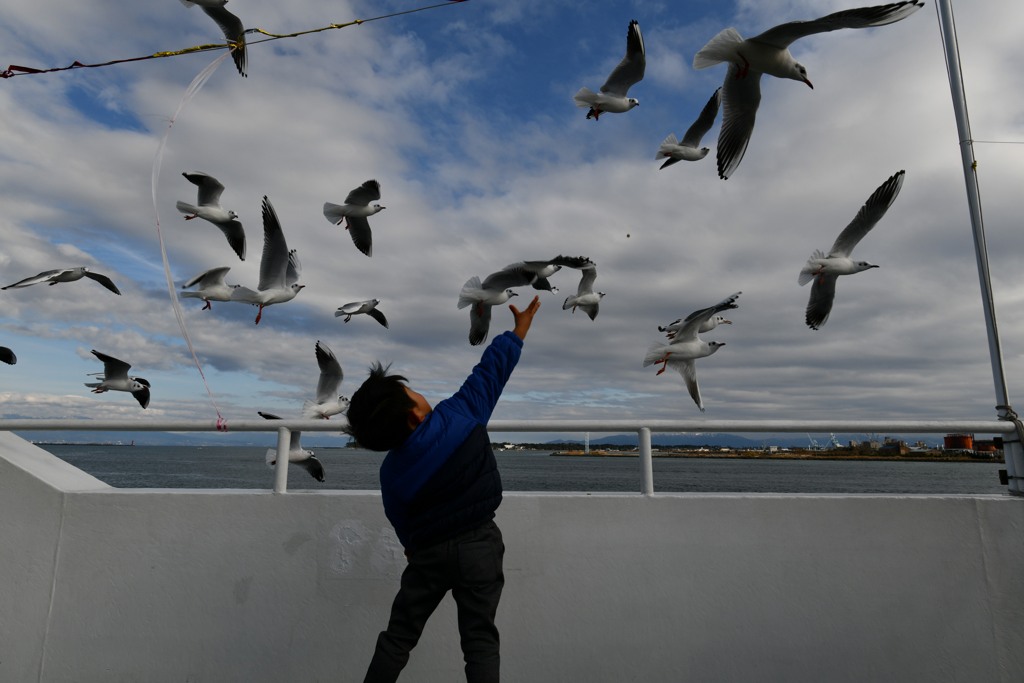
{"points": [[1012, 449], [284, 441], [646, 463]]}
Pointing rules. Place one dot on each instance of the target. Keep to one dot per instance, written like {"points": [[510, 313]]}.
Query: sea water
{"points": [[532, 470]]}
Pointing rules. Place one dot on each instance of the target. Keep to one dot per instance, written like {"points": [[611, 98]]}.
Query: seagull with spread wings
{"points": [[614, 93], [52, 277], [279, 267], [115, 378], [355, 211]]}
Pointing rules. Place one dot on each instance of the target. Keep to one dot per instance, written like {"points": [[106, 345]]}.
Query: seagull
{"points": [[768, 53], [7, 356], [211, 287], [229, 24], [115, 378], [52, 277], [688, 149], [687, 346], [711, 323], [296, 453], [209, 209], [355, 212], [481, 296], [545, 269], [327, 402], [630, 71], [369, 307], [824, 270], [279, 268], [586, 298]]}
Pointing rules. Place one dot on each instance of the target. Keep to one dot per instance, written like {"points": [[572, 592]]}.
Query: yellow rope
{"points": [[16, 70]]}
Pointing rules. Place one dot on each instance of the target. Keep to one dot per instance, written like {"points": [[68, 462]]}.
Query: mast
{"points": [[1012, 449]]}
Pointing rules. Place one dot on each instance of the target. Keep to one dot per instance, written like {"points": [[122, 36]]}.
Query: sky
{"points": [[465, 116]]}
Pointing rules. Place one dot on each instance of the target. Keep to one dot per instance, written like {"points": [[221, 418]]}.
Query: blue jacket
{"points": [[444, 479]]}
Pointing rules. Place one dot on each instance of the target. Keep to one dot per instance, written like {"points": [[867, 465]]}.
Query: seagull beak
{"points": [[727, 322], [809, 84]]}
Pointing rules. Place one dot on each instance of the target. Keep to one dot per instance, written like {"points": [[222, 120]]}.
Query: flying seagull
{"points": [[209, 209], [355, 211], [688, 149], [211, 287], [824, 270], [768, 53], [52, 277], [7, 356], [229, 24], [296, 453], [629, 72], [115, 378], [481, 296], [279, 268], [711, 323], [369, 307], [586, 298], [687, 346], [327, 402], [542, 270]]}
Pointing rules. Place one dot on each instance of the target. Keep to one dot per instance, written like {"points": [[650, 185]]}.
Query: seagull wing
{"points": [[364, 194], [45, 276], [103, 280], [823, 292], [688, 370], [362, 237], [330, 374], [512, 277], [275, 260], [209, 187], [235, 234], [112, 367], [872, 211], [586, 285], [7, 356], [233, 31], [378, 316], [861, 17], [313, 466], [740, 99], [479, 323], [142, 395], [703, 124], [212, 277], [691, 324], [631, 69]]}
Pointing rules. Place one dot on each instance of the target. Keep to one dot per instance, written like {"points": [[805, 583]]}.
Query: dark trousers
{"points": [[470, 566]]}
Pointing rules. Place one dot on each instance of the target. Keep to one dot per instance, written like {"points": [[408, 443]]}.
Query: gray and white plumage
{"points": [[687, 346], [481, 296], [279, 267], [540, 271], [327, 401], [115, 378], [7, 356], [297, 455], [369, 307], [209, 209], [52, 277], [768, 53], [824, 270], [355, 211], [711, 323], [614, 93], [586, 299], [211, 287], [689, 149], [229, 24]]}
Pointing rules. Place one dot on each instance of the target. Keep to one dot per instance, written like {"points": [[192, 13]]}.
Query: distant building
{"points": [[958, 442]]}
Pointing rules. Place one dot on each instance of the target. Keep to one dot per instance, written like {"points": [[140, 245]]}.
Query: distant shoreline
{"points": [[786, 455]]}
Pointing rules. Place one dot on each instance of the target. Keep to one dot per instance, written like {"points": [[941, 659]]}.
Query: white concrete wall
{"points": [[101, 584]]}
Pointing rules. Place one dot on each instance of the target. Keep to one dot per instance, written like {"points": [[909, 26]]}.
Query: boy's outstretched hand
{"points": [[524, 318]]}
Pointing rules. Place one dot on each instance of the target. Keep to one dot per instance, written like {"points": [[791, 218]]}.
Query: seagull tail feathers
{"points": [[721, 48], [669, 141], [570, 301], [808, 272], [585, 97], [655, 353], [466, 297], [334, 213], [185, 207]]}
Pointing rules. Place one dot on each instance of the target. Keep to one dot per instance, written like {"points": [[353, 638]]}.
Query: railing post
{"points": [[646, 462], [284, 441]]}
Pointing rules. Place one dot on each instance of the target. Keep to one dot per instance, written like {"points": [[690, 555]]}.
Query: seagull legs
{"points": [[259, 315], [594, 113], [207, 306], [195, 215]]}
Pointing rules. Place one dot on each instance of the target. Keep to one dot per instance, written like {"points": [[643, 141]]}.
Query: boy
{"points": [[440, 487]]}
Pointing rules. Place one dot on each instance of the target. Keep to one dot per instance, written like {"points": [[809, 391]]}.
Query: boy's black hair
{"points": [[378, 414]]}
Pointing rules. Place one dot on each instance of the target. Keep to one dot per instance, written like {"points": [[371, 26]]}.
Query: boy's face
{"points": [[419, 410]]}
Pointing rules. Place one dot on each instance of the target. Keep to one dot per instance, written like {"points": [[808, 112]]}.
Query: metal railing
{"points": [[643, 428]]}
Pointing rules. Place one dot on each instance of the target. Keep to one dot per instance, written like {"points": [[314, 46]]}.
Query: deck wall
{"points": [[103, 584]]}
